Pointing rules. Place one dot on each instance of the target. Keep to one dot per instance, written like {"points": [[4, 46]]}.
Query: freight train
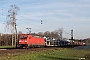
{"points": [[27, 40]]}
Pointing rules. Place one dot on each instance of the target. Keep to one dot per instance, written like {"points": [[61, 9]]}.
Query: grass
{"points": [[7, 46], [58, 54]]}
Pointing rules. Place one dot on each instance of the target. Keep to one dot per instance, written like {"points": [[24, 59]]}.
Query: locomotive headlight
{"points": [[19, 41], [25, 41]]}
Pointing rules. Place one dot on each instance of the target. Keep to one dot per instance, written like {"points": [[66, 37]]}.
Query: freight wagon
{"points": [[27, 40], [56, 42]]}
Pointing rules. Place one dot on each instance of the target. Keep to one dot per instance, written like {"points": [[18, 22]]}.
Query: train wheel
{"points": [[27, 47], [21, 46]]}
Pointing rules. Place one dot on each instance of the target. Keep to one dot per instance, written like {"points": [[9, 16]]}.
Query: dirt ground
{"points": [[7, 51]]}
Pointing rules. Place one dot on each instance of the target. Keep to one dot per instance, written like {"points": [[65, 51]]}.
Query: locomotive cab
{"points": [[23, 40]]}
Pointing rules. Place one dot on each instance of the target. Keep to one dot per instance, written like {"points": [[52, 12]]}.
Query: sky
{"points": [[55, 14]]}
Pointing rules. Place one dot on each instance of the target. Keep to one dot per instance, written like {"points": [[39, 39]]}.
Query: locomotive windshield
{"points": [[23, 37]]}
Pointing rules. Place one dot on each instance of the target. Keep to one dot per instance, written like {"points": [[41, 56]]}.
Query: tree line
{"points": [[6, 39]]}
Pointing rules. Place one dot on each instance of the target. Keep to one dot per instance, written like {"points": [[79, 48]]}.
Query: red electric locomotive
{"points": [[27, 40]]}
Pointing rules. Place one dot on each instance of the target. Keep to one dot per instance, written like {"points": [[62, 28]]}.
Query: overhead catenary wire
{"points": [[34, 24], [25, 21], [39, 27], [66, 32], [34, 21], [29, 18]]}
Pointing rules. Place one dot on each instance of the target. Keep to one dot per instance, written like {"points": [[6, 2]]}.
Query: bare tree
{"points": [[47, 33], [11, 23], [40, 33], [60, 31], [54, 34]]}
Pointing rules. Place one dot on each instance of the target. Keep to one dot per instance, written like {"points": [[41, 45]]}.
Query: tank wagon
{"points": [[27, 40]]}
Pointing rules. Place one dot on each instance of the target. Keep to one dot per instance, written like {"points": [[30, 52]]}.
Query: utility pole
{"points": [[60, 32], [12, 23], [72, 36], [29, 29]]}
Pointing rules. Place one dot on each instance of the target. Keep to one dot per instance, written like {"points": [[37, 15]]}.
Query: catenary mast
{"points": [[12, 23]]}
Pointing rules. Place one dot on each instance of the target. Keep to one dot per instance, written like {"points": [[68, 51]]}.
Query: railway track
{"points": [[14, 51]]}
